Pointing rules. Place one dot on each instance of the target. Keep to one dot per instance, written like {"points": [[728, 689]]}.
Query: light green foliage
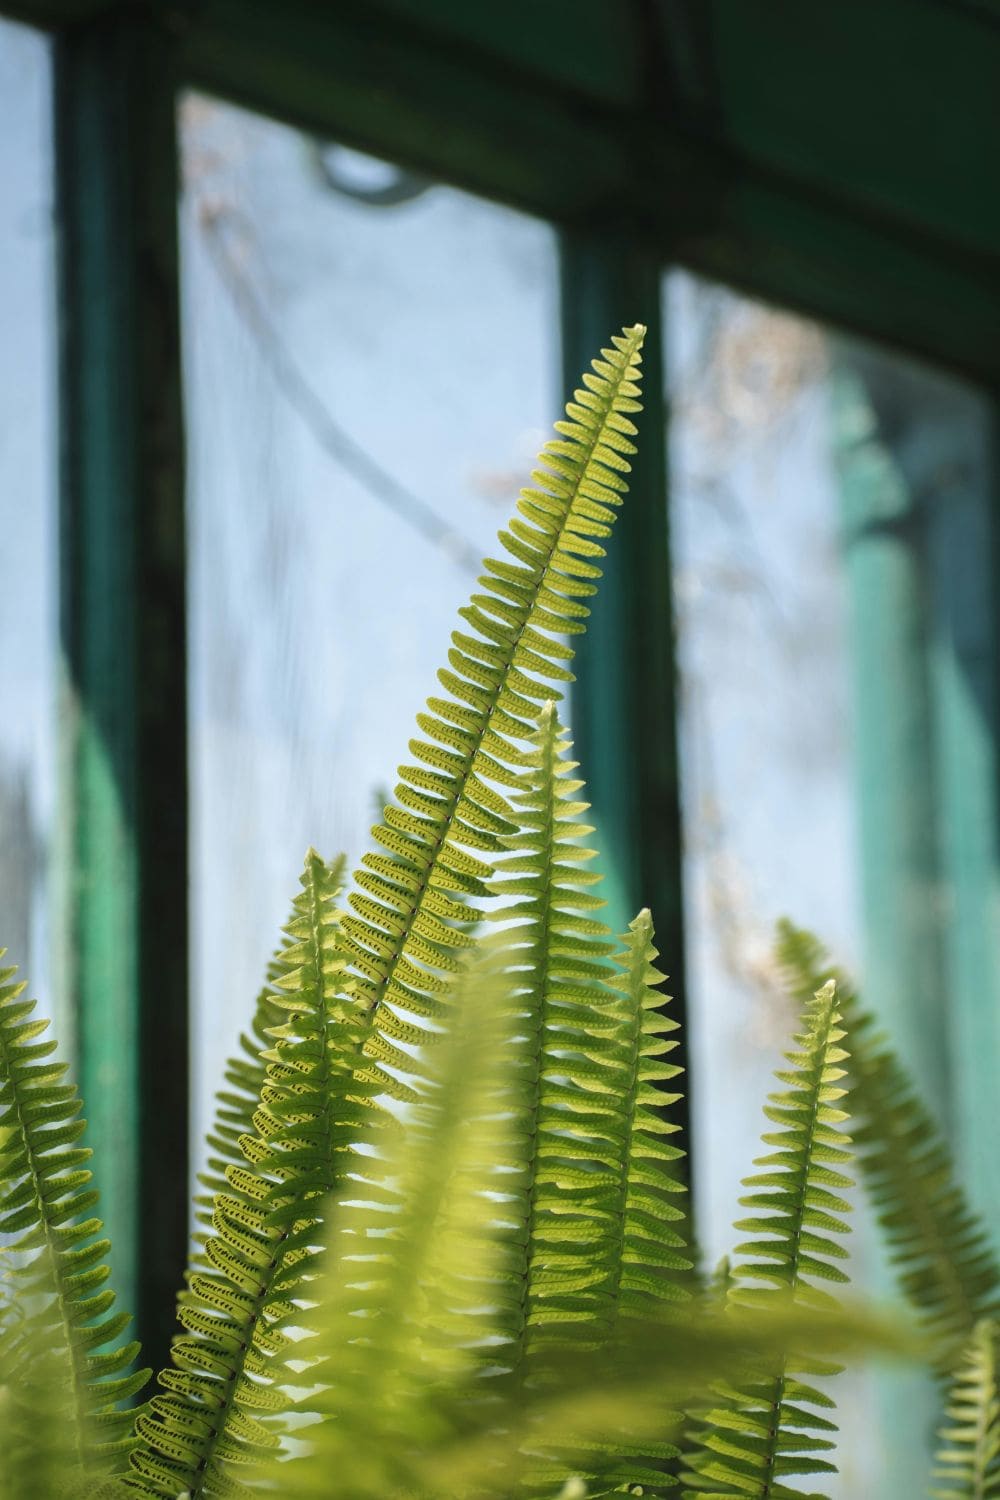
{"points": [[767, 1430], [967, 1464], [213, 1415], [413, 1403], [60, 1346], [941, 1249], [438, 1246], [588, 1050]]}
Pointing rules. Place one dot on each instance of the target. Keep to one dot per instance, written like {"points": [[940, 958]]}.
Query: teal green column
{"points": [[953, 455], [901, 888], [123, 719], [624, 701]]}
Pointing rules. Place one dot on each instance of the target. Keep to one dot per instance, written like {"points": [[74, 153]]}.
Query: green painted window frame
{"points": [[562, 115]]}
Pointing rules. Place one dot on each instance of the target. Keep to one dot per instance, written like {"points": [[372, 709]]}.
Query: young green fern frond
{"points": [[591, 1219], [62, 1317], [213, 1415], [941, 1248], [640, 1254], [569, 1056], [245, 1074], [651, 1259], [766, 1430], [967, 1463], [453, 808]]}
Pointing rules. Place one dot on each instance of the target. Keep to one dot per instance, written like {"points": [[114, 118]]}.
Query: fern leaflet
{"points": [[941, 1249], [967, 1463], [765, 1431], [62, 1316], [213, 1415]]}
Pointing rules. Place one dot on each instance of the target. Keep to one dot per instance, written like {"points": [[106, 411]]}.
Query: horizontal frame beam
{"points": [[607, 154]]}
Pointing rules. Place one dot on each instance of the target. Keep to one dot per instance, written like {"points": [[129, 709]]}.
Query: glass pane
{"points": [[371, 362], [831, 515], [28, 602], [762, 606]]}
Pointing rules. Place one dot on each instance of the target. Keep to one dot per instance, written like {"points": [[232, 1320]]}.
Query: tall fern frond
{"points": [[638, 1251], [650, 1259], [967, 1463], [63, 1318], [570, 1059], [940, 1247], [212, 1418], [453, 808], [766, 1431], [245, 1073]]}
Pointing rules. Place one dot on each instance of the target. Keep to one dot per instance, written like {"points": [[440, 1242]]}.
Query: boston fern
{"points": [[439, 1239]]}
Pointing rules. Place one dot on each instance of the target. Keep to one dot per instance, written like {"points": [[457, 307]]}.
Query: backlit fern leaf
{"points": [[60, 1318], [213, 1415], [245, 1074], [453, 808], [650, 1259], [967, 1463], [591, 1216], [940, 1247], [570, 1059], [766, 1430], [640, 1251]]}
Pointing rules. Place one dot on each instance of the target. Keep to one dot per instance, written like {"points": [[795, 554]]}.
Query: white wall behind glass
{"points": [[28, 599], [423, 334]]}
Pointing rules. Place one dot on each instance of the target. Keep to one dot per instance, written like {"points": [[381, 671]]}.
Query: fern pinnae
{"points": [[406, 922], [61, 1291], [213, 1415], [569, 1059], [941, 1248], [967, 1461], [650, 1259], [642, 1251], [766, 1430]]}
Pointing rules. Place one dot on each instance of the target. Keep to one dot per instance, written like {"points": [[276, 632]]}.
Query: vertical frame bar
{"points": [[124, 922], [624, 704]]}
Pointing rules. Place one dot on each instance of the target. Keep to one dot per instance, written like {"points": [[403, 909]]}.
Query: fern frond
{"points": [[651, 1260], [766, 1431], [638, 1252], [967, 1463], [940, 1247], [245, 1073], [214, 1416], [570, 1058], [64, 1317], [453, 806]]}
